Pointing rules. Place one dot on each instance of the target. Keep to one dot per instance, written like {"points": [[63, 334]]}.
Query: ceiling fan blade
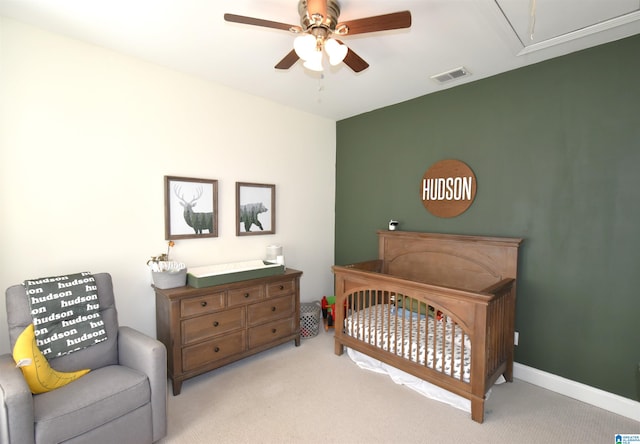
{"points": [[288, 60], [260, 22], [385, 22], [355, 62]]}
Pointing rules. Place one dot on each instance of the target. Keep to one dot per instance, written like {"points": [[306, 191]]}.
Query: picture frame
{"points": [[255, 209], [181, 219]]}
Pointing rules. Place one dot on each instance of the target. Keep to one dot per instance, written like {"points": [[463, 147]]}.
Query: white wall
{"points": [[86, 137]]}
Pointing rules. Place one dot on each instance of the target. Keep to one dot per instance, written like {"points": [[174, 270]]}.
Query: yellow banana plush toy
{"points": [[35, 367]]}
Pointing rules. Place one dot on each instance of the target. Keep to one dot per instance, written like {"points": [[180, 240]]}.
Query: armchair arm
{"points": [[143, 353], [16, 404]]}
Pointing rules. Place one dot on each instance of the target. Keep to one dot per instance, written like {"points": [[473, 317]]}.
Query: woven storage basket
{"points": [[169, 279], [309, 319]]}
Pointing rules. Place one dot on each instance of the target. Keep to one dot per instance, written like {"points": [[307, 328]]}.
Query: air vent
{"points": [[451, 75]]}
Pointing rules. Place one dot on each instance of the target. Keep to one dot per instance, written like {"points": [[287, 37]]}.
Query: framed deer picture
{"points": [[190, 208], [255, 209]]}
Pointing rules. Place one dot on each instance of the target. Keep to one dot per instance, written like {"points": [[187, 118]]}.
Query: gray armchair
{"points": [[123, 399]]}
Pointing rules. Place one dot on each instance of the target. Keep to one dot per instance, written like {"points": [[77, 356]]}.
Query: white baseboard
{"points": [[608, 401]]}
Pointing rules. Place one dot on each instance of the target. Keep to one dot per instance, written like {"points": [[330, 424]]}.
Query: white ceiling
{"points": [[486, 37]]}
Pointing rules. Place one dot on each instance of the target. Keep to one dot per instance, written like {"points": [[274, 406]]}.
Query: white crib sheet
{"points": [[360, 322], [381, 325]]}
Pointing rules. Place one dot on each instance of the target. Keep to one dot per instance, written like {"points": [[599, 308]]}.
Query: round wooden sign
{"points": [[448, 188]]}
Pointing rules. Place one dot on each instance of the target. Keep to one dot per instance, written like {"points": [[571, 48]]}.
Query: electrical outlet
{"points": [[516, 336]]}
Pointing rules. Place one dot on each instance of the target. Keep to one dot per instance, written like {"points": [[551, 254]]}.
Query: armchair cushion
{"points": [[35, 367], [90, 402]]}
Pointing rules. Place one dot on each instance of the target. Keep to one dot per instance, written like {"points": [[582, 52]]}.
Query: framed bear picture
{"points": [[255, 209]]}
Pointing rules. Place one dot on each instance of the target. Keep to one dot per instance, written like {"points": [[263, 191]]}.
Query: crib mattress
{"points": [[437, 344]]}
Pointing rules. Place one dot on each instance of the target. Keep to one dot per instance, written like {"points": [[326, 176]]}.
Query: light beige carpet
{"points": [[307, 394]]}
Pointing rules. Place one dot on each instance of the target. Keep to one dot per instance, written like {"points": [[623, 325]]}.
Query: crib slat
{"points": [[435, 344], [418, 341], [450, 358], [462, 350], [443, 344]]}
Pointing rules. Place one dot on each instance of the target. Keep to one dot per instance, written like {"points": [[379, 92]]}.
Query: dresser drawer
{"points": [[266, 333], [280, 288], [201, 304], [271, 309], [206, 326], [208, 352], [246, 295]]}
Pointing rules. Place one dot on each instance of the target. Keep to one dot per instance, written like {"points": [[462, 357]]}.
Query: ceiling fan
{"points": [[318, 27]]}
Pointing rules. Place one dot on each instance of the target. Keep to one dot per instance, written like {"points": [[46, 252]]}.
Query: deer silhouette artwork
{"points": [[198, 221], [249, 215]]}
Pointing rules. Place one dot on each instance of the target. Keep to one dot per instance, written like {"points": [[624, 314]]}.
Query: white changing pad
{"points": [[232, 267], [210, 275]]}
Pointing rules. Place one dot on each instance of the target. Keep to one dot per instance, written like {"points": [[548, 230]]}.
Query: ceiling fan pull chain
{"points": [[320, 87], [532, 19]]}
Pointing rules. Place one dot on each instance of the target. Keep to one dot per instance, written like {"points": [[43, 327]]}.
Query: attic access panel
{"points": [[542, 23]]}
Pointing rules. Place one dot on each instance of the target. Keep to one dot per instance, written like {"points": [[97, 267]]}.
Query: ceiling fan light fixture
{"points": [[336, 51], [305, 46], [314, 62]]}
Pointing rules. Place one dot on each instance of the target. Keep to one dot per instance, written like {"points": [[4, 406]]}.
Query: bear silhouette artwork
{"points": [[249, 215]]}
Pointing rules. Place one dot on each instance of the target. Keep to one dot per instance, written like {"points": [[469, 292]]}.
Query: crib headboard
{"points": [[460, 261]]}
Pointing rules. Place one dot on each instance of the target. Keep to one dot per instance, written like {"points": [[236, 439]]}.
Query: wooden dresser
{"points": [[206, 328]]}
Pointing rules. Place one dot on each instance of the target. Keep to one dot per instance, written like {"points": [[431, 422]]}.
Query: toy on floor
{"points": [[328, 306]]}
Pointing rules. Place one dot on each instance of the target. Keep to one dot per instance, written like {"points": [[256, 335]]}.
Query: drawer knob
{"points": [[246, 295], [281, 287], [216, 323], [217, 349], [273, 308], [203, 303], [273, 330]]}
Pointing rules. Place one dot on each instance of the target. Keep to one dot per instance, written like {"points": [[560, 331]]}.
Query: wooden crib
{"points": [[440, 307]]}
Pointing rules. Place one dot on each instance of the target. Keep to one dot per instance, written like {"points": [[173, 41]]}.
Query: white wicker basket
{"points": [[174, 276]]}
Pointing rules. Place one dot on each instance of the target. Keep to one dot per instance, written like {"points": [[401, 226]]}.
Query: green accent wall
{"points": [[555, 148]]}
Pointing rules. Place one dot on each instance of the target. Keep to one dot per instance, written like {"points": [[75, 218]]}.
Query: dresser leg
{"points": [[297, 341], [177, 386]]}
